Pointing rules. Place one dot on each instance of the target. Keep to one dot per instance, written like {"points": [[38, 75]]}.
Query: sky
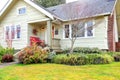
{"points": [[2, 2]]}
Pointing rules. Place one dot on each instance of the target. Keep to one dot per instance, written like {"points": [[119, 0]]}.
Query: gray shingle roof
{"points": [[82, 9]]}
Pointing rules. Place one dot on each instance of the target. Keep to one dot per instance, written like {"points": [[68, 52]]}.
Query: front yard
{"points": [[61, 72]]}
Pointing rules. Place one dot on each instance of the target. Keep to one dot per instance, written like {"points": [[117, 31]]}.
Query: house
{"points": [[22, 19]]}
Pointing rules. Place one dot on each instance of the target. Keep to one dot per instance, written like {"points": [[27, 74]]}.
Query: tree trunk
{"points": [[71, 49]]}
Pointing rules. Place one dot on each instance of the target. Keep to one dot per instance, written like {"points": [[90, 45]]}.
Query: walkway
{"points": [[2, 65]]}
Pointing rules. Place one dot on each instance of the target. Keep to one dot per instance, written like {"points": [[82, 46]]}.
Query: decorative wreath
{"points": [[35, 31]]}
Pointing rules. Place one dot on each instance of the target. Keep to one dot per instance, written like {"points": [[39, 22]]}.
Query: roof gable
{"points": [[41, 9]]}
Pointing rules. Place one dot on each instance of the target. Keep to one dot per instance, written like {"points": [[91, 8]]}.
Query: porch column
{"points": [[49, 33]]}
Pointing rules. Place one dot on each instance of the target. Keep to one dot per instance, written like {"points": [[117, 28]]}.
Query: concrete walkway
{"points": [[2, 65]]}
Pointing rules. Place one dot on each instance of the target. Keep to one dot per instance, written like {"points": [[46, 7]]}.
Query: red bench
{"points": [[36, 40]]}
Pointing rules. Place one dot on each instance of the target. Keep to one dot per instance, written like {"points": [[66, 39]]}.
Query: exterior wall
{"points": [[14, 19], [57, 26], [118, 16], [111, 33], [99, 40]]}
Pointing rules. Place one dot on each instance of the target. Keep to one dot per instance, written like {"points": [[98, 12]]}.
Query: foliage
{"points": [[99, 58], [86, 50], [6, 51], [81, 59], [48, 3], [32, 54], [116, 56], [7, 58]]}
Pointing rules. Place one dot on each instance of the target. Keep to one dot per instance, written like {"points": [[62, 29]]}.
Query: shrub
{"points": [[0, 59], [6, 51], [116, 57], [67, 50], [82, 59], [7, 58], [32, 54], [99, 58], [86, 50]]}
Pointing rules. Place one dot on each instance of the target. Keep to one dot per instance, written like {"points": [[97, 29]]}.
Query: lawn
{"points": [[61, 72]]}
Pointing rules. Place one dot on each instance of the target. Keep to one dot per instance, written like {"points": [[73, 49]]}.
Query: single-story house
{"points": [[22, 19]]}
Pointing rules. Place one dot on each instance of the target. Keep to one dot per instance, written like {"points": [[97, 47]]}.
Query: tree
{"points": [[72, 13], [48, 3]]}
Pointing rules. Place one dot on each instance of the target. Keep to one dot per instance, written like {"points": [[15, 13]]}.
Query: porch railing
{"points": [[55, 43]]}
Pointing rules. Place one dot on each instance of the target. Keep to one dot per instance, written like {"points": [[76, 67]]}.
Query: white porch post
{"points": [[49, 33]]}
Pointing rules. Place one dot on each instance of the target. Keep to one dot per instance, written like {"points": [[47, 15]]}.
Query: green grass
{"points": [[61, 72]]}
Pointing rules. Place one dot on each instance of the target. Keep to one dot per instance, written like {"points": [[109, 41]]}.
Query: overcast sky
{"points": [[2, 2]]}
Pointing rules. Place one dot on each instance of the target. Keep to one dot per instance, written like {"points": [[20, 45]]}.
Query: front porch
{"points": [[43, 31]]}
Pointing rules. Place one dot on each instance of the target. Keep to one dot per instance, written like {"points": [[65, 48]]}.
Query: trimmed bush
{"points": [[4, 54], [99, 58], [82, 59], [86, 50], [32, 54], [7, 58], [6, 51], [116, 57]]}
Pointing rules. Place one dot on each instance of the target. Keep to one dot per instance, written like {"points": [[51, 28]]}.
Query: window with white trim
{"points": [[12, 32], [67, 31], [21, 10], [89, 28], [80, 30], [56, 31]]}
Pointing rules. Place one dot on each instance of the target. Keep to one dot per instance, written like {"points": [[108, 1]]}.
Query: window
{"points": [[67, 31], [56, 31], [79, 30], [18, 31], [22, 10], [7, 32], [89, 28], [12, 32]]}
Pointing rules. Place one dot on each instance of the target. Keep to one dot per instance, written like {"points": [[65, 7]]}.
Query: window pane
{"points": [[22, 10], [18, 30], [13, 32], [56, 31], [7, 32], [66, 31], [78, 30], [90, 28]]}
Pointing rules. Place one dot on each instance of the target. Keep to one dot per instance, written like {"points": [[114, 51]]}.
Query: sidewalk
{"points": [[2, 65]]}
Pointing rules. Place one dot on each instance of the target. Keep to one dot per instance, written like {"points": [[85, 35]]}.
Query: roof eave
{"points": [[5, 7], [114, 7], [104, 14]]}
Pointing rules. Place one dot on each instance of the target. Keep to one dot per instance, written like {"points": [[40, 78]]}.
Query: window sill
{"points": [[81, 38], [14, 39]]}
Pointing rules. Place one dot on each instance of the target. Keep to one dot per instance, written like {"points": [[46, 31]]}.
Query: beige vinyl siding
{"points": [[13, 18], [99, 40], [118, 16], [59, 27]]}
